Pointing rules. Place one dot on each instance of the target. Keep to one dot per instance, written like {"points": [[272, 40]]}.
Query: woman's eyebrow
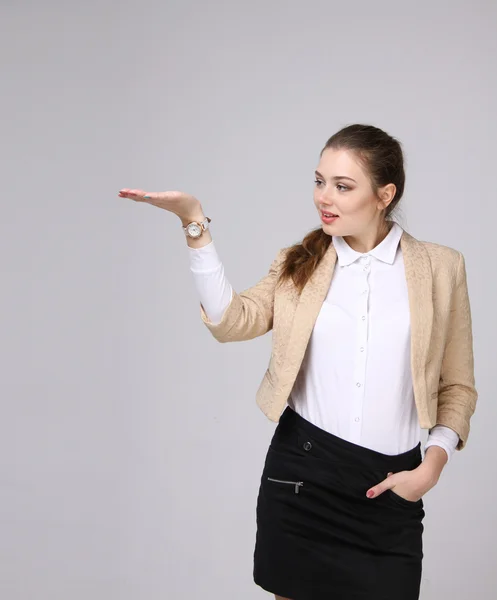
{"points": [[336, 177]]}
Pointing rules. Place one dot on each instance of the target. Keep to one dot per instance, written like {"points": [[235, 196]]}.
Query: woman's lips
{"points": [[326, 219]]}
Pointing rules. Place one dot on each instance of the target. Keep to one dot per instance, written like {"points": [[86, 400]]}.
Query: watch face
{"points": [[194, 230]]}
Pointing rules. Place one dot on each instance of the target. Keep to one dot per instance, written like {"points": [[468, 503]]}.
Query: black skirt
{"points": [[318, 536]]}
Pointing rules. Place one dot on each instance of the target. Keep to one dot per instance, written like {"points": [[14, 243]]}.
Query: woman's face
{"points": [[343, 188]]}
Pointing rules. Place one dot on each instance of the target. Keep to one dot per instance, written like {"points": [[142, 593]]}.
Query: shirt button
{"points": [[363, 317], [358, 384], [365, 268], [307, 446], [362, 349], [357, 419]]}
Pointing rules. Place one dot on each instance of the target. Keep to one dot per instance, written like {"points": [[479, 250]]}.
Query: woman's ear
{"points": [[386, 194]]}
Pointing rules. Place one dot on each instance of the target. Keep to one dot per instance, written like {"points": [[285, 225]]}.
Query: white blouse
{"points": [[355, 379]]}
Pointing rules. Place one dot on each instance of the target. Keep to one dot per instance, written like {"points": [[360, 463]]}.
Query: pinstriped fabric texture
{"points": [[442, 361]]}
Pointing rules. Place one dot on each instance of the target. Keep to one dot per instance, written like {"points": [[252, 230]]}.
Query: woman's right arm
{"points": [[232, 316], [229, 316]]}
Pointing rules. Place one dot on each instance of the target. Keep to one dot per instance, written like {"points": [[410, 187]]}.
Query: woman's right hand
{"points": [[187, 207]]}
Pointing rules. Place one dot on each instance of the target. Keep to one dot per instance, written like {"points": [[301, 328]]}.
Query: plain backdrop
{"points": [[131, 444]]}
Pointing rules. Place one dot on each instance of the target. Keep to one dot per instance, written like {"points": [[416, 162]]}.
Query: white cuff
{"points": [[445, 437]]}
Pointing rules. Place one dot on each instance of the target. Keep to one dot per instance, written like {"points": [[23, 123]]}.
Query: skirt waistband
{"points": [[328, 446]]}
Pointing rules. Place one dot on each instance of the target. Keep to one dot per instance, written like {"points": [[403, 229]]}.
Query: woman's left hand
{"points": [[410, 485]]}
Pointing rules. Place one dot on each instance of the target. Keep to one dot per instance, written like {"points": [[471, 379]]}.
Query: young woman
{"points": [[371, 342]]}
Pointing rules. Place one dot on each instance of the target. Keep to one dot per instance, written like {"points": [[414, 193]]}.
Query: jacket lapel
{"points": [[419, 284], [306, 313], [419, 278]]}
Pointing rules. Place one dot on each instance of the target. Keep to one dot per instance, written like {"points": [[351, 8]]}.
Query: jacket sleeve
{"points": [[250, 313], [457, 393]]}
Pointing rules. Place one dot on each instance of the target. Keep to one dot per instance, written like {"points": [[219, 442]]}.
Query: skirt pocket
{"points": [[282, 495], [404, 501], [297, 484]]}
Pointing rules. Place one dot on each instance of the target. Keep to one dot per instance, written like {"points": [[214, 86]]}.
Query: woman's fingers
{"points": [[138, 195], [151, 197]]}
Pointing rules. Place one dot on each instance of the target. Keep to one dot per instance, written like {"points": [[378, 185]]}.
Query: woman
{"points": [[371, 341]]}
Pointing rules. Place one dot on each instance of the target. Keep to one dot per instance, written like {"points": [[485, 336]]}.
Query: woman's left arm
{"points": [[457, 397], [457, 394]]}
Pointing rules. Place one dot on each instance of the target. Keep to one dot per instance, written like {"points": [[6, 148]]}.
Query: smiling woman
{"points": [[371, 341]]}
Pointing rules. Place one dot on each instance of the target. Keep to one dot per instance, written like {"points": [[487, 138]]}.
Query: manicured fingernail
{"points": [[370, 493], [146, 196]]}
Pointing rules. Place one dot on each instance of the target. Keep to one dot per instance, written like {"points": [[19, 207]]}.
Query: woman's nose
{"points": [[325, 198]]}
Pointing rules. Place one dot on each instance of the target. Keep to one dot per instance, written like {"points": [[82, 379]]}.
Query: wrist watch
{"points": [[196, 228]]}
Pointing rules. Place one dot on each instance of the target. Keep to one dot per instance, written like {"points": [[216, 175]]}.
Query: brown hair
{"points": [[382, 158]]}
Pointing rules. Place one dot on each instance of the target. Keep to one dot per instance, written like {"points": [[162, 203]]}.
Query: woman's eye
{"points": [[340, 187]]}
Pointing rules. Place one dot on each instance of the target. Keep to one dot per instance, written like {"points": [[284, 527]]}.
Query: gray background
{"points": [[132, 446]]}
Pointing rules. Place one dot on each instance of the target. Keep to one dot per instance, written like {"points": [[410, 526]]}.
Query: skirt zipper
{"points": [[297, 484]]}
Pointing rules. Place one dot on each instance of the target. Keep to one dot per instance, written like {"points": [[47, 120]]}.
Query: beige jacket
{"points": [[441, 331]]}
